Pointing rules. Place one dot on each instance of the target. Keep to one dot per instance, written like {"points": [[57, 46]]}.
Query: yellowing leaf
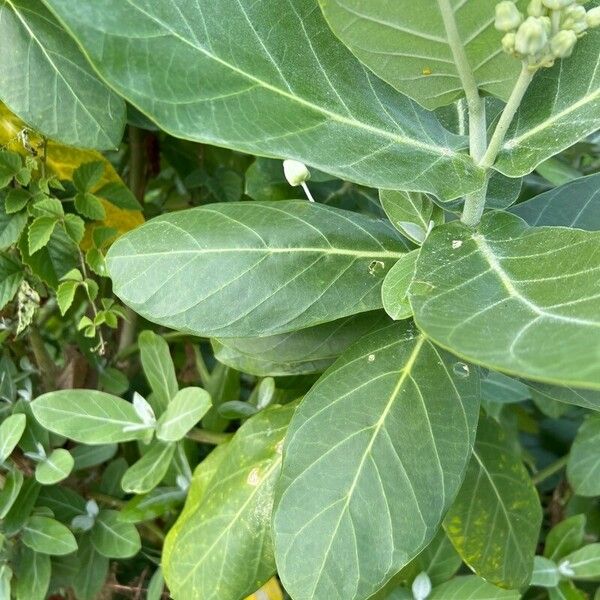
{"points": [[270, 591], [62, 161]]}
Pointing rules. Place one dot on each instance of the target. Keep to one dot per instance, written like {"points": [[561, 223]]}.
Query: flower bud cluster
{"points": [[549, 31]]}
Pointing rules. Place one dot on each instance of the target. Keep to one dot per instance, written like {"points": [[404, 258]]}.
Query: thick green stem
{"points": [[474, 206], [507, 117], [550, 470]]}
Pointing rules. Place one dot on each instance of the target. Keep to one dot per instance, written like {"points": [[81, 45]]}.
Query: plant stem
{"points": [[46, 365], [208, 437], [550, 470], [507, 116], [474, 206], [101, 341]]}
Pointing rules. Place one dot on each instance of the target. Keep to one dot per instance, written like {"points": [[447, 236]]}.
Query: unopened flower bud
{"points": [[536, 9], [531, 37], [562, 43], [575, 19], [295, 172], [508, 43], [557, 4], [508, 16], [593, 17]]}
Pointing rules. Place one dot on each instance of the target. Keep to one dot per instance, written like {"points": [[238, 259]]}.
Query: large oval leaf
{"points": [[495, 520], [406, 43], [48, 82], [221, 545], [391, 421], [561, 107], [574, 204], [269, 80], [499, 294], [254, 269], [309, 350]]}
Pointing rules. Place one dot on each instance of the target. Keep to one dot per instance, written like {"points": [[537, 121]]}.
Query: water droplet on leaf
{"points": [[461, 369]]}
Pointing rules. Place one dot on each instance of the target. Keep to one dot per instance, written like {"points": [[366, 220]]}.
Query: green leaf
{"points": [[66, 294], [114, 538], [154, 504], [409, 46], [16, 199], [411, 213], [156, 586], [53, 261], [50, 85], [227, 518], [439, 560], [324, 107], [74, 227], [574, 204], [497, 387], [91, 456], [90, 206], [148, 471], [11, 275], [92, 572], [48, 536], [187, 407], [48, 207], [119, 195], [584, 398], [495, 520], [32, 575], [13, 483], [583, 468], [11, 227], [6, 575], [340, 485], [545, 573], [11, 430], [566, 590], [10, 166], [18, 514], [565, 537], [396, 284], [223, 385], [39, 233], [309, 350], [88, 416], [87, 175], [495, 296], [561, 107], [62, 501], [159, 369], [55, 468], [470, 587], [583, 564], [254, 268], [557, 172]]}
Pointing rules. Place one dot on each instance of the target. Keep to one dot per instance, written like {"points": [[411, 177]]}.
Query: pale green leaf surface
{"points": [[148, 471], [159, 369], [32, 575], [584, 398], [48, 536], [274, 82], [88, 416], [583, 468], [497, 387], [50, 85], [496, 295], [565, 537], [406, 44], [545, 572], [114, 538], [392, 403], [584, 563], [561, 107], [495, 520], [574, 204], [186, 408], [221, 545], [11, 430], [13, 482], [254, 268], [470, 587], [55, 468], [309, 350], [394, 292]]}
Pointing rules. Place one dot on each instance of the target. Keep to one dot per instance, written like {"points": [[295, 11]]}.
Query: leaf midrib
{"points": [[442, 151]]}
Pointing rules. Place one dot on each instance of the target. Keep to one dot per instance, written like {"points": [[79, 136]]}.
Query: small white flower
{"points": [[295, 172]]}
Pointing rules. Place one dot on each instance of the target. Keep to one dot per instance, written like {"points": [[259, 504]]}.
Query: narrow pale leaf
{"points": [[496, 295], [11, 430], [565, 537], [583, 564], [274, 82], [148, 471], [394, 292], [583, 468], [254, 268], [187, 407], [159, 369], [397, 403]]}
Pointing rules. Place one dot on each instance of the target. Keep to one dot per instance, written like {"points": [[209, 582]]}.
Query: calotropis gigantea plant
{"points": [[444, 106]]}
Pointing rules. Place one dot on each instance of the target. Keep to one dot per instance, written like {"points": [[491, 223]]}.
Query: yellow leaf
{"points": [[62, 161], [269, 591]]}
